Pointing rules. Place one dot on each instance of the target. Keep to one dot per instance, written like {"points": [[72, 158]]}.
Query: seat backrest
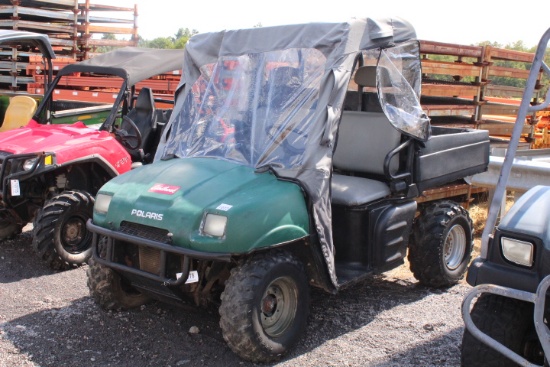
{"points": [[366, 138], [19, 112], [143, 115], [364, 141], [366, 76]]}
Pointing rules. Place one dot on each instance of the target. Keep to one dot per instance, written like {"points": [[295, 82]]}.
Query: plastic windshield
{"points": [[255, 109], [399, 82]]}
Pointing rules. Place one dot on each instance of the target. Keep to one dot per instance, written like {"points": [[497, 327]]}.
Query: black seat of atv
{"points": [[364, 140], [143, 115]]}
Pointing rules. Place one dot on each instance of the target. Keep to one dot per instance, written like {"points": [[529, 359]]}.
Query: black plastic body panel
{"points": [[451, 154], [499, 271], [373, 236], [485, 272]]}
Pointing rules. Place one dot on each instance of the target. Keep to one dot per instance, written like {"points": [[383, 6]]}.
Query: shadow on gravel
{"points": [[439, 352], [18, 260], [81, 334], [334, 315]]}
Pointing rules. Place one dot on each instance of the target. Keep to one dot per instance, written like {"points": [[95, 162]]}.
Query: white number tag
{"points": [[192, 278], [15, 189]]}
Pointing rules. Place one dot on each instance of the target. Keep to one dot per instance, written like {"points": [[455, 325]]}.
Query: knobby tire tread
{"points": [[238, 332], [46, 221], [425, 247], [504, 319]]}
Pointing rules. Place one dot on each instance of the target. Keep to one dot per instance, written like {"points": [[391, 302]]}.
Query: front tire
{"points": [[60, 236], [265, 306], [8, 229], [110, 291], [508, 321], [440, 246]]}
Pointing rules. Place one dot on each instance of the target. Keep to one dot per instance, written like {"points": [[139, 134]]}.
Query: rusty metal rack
{"points": [[73, 28], [98, 89], [461, 89], [92, 21], [70, 24], [57, 18]]}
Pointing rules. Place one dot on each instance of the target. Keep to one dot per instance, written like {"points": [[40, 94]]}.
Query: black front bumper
{"points": [[163, 248], [10, 169], [482, 271]]}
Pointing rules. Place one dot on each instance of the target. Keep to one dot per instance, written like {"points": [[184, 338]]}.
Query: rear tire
{"points": [[60, 236], [508, 321], [265, 306], [440, 246]]}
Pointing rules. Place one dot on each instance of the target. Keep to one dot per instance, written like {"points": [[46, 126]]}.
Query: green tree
{"points": [[110, 37], [512, 82], [160, 42], [182, 36]]}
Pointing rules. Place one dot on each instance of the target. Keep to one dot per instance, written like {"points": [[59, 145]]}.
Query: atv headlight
{"points": [[519, 252], [102, 202], [27, 165], [214, 225]]}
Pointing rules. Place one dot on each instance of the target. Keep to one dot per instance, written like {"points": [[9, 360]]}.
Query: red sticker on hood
{"points": [[164, 189]]}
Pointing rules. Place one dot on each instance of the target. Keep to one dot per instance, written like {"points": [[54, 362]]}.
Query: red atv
{"points": [[50, 173]]}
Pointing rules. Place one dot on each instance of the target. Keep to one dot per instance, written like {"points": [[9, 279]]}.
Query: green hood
{"points": [[175, 195]]}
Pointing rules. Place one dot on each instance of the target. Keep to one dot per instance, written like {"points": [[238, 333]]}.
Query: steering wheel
{"points": [[127, 137], [292, 140]]}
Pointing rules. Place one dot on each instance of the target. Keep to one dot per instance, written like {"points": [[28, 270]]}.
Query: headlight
{"points": [[102, 202], [27, 165], [214, 225], [519, 252]]}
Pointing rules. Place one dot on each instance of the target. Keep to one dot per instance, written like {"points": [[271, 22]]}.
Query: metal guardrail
{"points": [[529, 168]]}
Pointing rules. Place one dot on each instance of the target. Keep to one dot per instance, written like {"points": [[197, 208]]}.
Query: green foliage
{"points": [[489, 43], [512, 82], [106, 36], [179, 40], [160, 42]]}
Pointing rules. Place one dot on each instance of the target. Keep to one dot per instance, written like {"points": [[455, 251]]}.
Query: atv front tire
{"points": [[440, 246], [110, 291], [265, 306], [508, 321], [60, 236], [8, 229]]}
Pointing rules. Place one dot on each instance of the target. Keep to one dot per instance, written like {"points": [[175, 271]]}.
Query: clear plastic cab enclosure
{"points": [[258, 109]]}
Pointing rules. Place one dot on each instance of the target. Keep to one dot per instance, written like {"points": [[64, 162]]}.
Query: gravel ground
{"points": [[48, 319]]}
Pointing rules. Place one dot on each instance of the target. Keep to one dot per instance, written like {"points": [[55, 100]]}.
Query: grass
{"points": [[478, 212]]}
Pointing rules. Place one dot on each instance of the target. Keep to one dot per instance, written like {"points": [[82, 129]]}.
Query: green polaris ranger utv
{"points": [[292, 160]]}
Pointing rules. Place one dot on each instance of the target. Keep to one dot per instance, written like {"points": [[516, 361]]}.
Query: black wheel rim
{"points": [[74, 235]]}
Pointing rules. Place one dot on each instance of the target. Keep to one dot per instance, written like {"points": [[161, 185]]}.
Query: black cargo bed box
{"points": [[451, 154]]}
